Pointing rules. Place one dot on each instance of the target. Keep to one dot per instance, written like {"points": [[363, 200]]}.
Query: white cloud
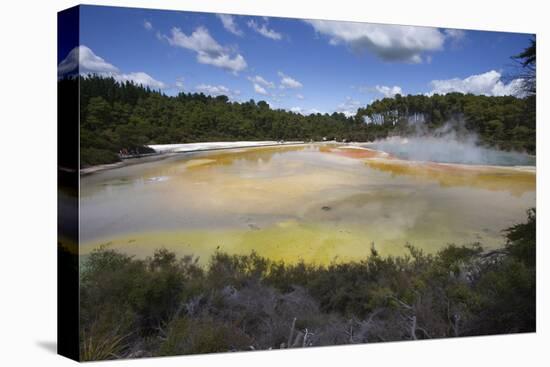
{"points": [[455, 34], [348, 107], [261, 81], [223, 61], [260, 84], [259, 89], [264, 30], [216, 90], [388, 42], [228, 22], [277, 97], [84, 61], [304, 111], [208, 50], [299, 96], [147, 25], [212, 89], [388, 92], [489, 84], [199, 41], [180, 83], [140, 78], [289, 82]]}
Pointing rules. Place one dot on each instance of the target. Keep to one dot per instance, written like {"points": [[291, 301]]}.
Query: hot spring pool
{"points": [[317, 203], [448, 150]]}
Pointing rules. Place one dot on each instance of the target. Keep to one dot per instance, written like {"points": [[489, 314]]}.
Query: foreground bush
{"points": [[163, 305]]}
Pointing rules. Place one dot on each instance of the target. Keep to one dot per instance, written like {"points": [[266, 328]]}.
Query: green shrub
{"points": [[162, 305], [203, 335]]}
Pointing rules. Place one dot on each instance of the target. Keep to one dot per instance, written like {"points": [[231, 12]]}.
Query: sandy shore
{"points": [[167, 150]]}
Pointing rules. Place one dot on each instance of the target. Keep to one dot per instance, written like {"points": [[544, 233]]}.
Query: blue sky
{"points": [[306, 66]]}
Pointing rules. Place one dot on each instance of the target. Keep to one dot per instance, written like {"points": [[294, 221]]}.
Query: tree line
{"points": [[505, 122], [116, 116]]}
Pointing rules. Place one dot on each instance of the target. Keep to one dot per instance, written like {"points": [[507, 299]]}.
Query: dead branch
{"points": [[291, 332]]}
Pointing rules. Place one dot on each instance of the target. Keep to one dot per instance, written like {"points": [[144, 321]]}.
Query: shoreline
{"points": [[163, 151], [524, 168]]}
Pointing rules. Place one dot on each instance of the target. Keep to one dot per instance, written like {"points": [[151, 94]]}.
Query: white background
{"points": [[28, 182]]}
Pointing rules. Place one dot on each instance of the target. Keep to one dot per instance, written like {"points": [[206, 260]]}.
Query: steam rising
{"points": [[445, 145]]}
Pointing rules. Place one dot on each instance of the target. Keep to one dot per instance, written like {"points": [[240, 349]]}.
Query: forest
{"points": [[123, 116], [165, 305], [116, 116]]}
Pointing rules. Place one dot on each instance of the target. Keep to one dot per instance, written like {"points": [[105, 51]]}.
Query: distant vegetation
{"points": [[163, 305], [117, 117], [505, 122], [124, 116]]}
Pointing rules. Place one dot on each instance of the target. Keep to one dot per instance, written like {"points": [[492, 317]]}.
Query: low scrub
{"points": [[164, 305]]}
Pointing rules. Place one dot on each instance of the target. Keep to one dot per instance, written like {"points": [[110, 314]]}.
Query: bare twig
{"points": [[291, 332]]}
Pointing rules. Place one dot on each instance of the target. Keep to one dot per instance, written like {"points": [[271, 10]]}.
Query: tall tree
{"points": [[528, 61]]}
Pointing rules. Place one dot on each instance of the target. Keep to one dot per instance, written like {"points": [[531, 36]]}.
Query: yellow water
{"points": [[317, 203]]}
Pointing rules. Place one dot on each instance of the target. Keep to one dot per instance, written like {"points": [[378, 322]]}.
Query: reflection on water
{"points": [[311, 202]]}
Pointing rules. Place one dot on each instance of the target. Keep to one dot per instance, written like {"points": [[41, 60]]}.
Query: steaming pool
{"points": [[449, 150], [316, 202]]}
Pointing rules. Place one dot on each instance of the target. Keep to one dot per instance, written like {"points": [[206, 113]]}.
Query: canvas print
{"points": [[234, 183]]}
